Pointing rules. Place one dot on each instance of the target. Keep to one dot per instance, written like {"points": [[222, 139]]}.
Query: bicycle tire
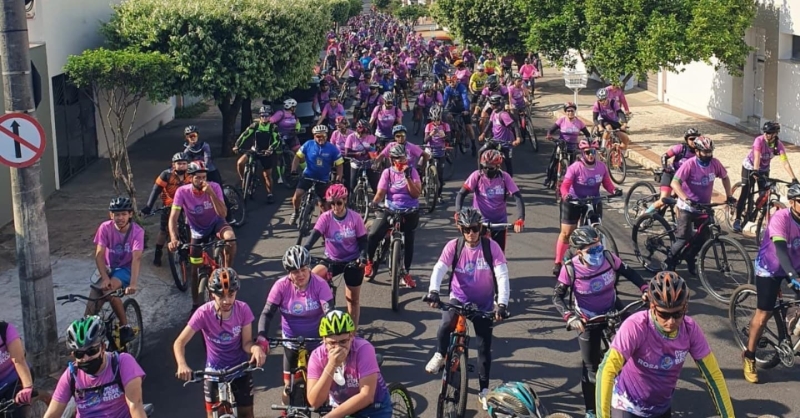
{"points": [[741, 329], [179, 267], [417, 122], [431, 188], [607, 239], [702, 271], [248, 187], [730, 211], [237, 212], [617, 177], [634, 209], [134, 347], [456, 363], [297, 397], [399, 389], [395, 269], [202, 283], [644, 248], [289, 181], [449, 164], [360, 202], [561, 171], [532, 134], [304, 225], [763, 218]]}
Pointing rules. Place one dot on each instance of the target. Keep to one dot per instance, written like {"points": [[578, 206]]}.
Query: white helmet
{"points": [[296, 257], [388, 97], [289, 103], [319, 129]]}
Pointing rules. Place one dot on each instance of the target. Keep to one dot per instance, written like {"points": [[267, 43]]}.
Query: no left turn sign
{"points": [[22, 140]]}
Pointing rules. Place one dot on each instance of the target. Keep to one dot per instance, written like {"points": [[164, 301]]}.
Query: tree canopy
{"points": [[411, 13], [500, 23], [340, 11]]}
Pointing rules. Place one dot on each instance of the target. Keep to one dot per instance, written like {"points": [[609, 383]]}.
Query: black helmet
{"points": [[468, 216], [771, 127], [668, 290], [265, 110], [583, 237], [191, 129], [691, 133], [399, 128], [196, 167], [224, 281], [120, 204], [793, 192], [495, 99], [179, 156]]}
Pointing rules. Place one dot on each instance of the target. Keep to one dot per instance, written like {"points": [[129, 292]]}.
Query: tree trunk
{"points": [[229, 112], [247, 114]]}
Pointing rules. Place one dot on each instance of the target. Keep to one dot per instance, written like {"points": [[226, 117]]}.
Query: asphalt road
{"points": [[532, 345]]}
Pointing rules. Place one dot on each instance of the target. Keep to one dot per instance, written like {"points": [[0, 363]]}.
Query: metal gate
{"points": [[76, 132]]}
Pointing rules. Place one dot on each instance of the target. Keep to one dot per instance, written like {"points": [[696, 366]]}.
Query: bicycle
{"points": [[210, 263], [654, 253], [589, 217], [610, 322], [391, 248], [282, 174], [35, 409], [452, 400], [459, 131], [179, 260], [643, 194], [759, 210], [307, 209], [563, 159], [430, 181], [296, 391], [251, 180], [395, 390], [226, 406], [420, 117], [526, 123], [234, 201], [613, 156], [334, 282], [359, 198], [132, 311]]}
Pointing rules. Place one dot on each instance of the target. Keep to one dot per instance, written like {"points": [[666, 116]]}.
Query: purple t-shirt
{"points": [[119, 253], [385, 119], [490, 194], [767, 153], [502, 126], [517, 96], [503, 91], [354, 68], [111, 402], [608, 111], [341, 235], [339, 139], [594, 287], [8, 373], [463, 76], [677, 150], [782, 226], [698, 181], [223, 338], [301, 311], [653, 363], [570, 129], [423, 100], [437, 133], [396, 187], [361, 362], [199, 211], [586, 179], [362, 145], [285, 122], [413, 151], [472, 280]]}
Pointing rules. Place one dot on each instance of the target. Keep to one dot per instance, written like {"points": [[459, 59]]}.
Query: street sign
{"points": [[22, 140]]}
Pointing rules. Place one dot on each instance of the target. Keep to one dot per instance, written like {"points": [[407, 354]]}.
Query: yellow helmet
{"points": [[336, 323]]}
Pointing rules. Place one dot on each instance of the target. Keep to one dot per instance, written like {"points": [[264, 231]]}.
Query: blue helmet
{"points": [[514, 399]]}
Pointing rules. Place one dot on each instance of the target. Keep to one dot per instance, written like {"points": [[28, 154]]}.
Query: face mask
{"points": [[180, 172], [594, 257], [705, 161], [92, 366], [492, 172], [400, 166]]}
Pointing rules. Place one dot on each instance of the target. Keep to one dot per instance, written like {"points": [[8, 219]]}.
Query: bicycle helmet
{"points": [[427, 86], [296, 257], [691, 133], [324, 83], [435, 113], [479, 67], [398, 151], [120, 204], [342, 120], [583, 237], [667, 290], [491, 157], [362, 124], [290, 103], [86, 332], [265, 110], [703, 143], [492, 83], [793, 192], [602, 94], [388, 97], [179, 156], [336, 192], [570, 105], [319, 129], [196, 167], [496, 100], [223, 281], [517, 76], [458, 63], [191, 129], [771, 127], [584, 144], [468, 216], [336, 322], [373, 86], [399, 128], [514, 399], [334, 96]]}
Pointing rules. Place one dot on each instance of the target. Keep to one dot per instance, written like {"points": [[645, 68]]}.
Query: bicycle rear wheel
{"points": [[134, 315], [402, 404], [652, 237], [179, 267], [640, 196], [728, 267], [606, 239], [359, 201], [395, 271], [235, 203], [764, 217], [532, 134], [740, 311], [453, 396]]}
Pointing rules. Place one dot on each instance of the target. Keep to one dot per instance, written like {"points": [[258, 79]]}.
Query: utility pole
{"points": [[30, 223]]}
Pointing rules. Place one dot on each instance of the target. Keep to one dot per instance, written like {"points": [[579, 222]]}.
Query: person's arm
{"points": [[465, 99], [560, 293], [413, 185], [585, 132], [55, 409], [717, 388], [363, 399], [363, 243], [630, 274], [513, 125], [623, 101], [299, 157], [503, 287], [608, 184], [206, 153], [784, 259], [785, 162], [219, 204], [726, 184], [757, 159], [312, 239], [318, 389], [136, 265], [552, 129], [244, 137], [153, 195], [17, 353], [664, 159], [100, 262], [606, 374], [520, 205], [595, 117], [256, 353], [566, 185], [133, 397], [172, 225], [270, 309], [179, 347], [460, 196]]}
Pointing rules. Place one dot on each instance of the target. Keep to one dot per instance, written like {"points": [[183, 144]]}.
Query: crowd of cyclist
{"points": [[635, 378]]}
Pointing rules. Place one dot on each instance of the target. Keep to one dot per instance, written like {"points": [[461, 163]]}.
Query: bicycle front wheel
{"points": [[395, 271], [764, 217], [453, 396], [431, 188], [235, 203], [304, 225], [724, 266], [606, 239], [617, 167], [741, 309], [402, 404], [449, 164], [640, 196], [359, 202], [289, 181], [652, 238], [134, 315], [532, 135], [179, 267]]}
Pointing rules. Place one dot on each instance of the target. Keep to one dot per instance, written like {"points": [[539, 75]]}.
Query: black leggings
{"points": [[500, 238], [683, 233], [616, 413], [591, 354], [372, 178], [483, 333], [747, 188], [378, 230]]}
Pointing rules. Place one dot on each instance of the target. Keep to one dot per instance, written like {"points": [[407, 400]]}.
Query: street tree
{"points": [[356, 6], [411, 13], [500, 23], [381, 4], [555, 28], [340, 11], [227, 50], [118, 81]]}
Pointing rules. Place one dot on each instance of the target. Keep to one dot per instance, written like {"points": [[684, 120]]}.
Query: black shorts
{"points": [[570, 214], [401, 85], [242, 388], [215, 233], [290, 358], [266, 161], [164, 220], [666, 179], [305, 185], [473, 98], [767, 289], [466, 118], [353, 276], [612, 123]]}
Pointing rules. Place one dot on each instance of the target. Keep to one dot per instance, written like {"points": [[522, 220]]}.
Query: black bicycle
{"points": [[213, 258], [307, 209], [402, 405], [562, 158], [391, 248], [35, 409], [590, 217], [359, 198], [610, 322], [226, 406], [178, 260], [251, 179], [761, 209], [237, 213], [643, 194]]}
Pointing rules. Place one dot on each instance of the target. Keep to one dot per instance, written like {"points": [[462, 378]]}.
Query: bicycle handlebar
{"points": [[304, 410], [329, 262], [468, 310], [212, 244], [301, 341], [497, 226], [587, 200], [611, 315], [407, 211], [703, 206], [197, 375], [5, 406], [74, 298]]}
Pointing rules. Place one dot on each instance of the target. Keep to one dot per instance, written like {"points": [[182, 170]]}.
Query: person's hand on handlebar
{"points": [[184, 372], [500, 312], [173, 245], [257, 355], [433, 299], [519, 225], [576, 323], [731, 200]]}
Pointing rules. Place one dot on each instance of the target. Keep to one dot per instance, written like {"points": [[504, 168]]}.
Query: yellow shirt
{"points": [[490, 64], [477, 81]]}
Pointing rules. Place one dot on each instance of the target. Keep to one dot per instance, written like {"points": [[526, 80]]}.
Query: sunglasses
{"points": [[400, 136], [89, 352], [468, 229], [590, 152], [338, 203], [570, 110], [666, 316], [193, 136], [320, 136]]}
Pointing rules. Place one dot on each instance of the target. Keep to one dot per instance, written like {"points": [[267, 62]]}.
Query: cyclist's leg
{"points": [[589, 342], [266, 172], [346, 174], [242, 389], [499, 237], [483, 333], [683, 231], [195, 261], [376, 233], [302, 187], [767, 289], [321, 202], [353, 179], [439, 162], [224, 231], [470, 133], [409, 230], [745, 192], [290, 358], [569, 220], [120, 278], [697, 242], [665, 190], [240, 163], [507, 161], [551, 168], [353, 278], [161, 239], [447, 326], [211, 394]]}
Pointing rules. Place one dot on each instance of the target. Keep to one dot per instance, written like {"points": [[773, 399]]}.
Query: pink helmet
{"points": [[341, 120], [584, 144], [336, 192]]}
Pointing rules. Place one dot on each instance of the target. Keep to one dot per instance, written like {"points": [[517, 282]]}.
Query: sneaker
{"points": [[556, 269], [280, 179], [409, 282], [368, 269], [650, 210], [482, 399], [293, 219], [590, 414], [435, 364], [125, 334], [750, 373], [270, 199], [737, 226]]}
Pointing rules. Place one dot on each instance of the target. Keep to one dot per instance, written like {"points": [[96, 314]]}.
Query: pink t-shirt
{"points": [[490, 194], [301, 310], [395, 185], [8, 374], [198, 209], [119, 253], [528, 71], [341, 235], [361, 362], [437, 133], [360, 145], [698, 181], [782, 227], [223, 338], [111, 402], [767, 153], [502, 126], [339, 139], [472, 280], [570, 129], [594, 287], [585, 180], [680, 155], [517, 96], [413, 151]]}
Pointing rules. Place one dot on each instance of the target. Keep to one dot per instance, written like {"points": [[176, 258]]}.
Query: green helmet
{"points": [[86, 332], [336, 323]]}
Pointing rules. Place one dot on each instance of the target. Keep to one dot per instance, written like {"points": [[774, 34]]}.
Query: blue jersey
{"points": [[455, 98], [365, 62], [387, 85], [320, 159]]}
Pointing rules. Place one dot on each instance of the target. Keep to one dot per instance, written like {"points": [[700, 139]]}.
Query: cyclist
{"points": [[456, 100], [484, 107], [477, 81], [339, 138], [118, 256], [490, 63], [777, 260], [590, 277], [569, 127], [205, 215], [506, 62], [373, 100], [344, 372], [387, 81], [617, 94], [322, 96], [197, 150], [694, 183], [384, 117], [400, 185], [606, 118], [16, 380], [400, 72], [413, 151], [462, 74], [437, 136], [332, 110], [354, 71], [640, 371], [165, 186], [439, 70], [582, 179], [288, 125], [529, 72], [345, 241], [428, 98], [679, 153], [265, 141], [302, 297], [765, 148], [322, 157], [357, 147], [491, 186], [504, 130], [476, 278], [227, 327]]}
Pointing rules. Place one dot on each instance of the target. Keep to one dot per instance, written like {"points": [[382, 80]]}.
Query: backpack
{"points": [[3, 332], [114, 368], [571, 269], [487, 256]]}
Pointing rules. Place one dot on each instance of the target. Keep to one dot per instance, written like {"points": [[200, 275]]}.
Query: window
{"points": [[796, 48]]}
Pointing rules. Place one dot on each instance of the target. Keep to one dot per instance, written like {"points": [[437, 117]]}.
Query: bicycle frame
{"points": [[787, 348]]}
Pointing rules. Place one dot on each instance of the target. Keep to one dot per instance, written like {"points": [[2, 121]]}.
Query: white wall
{"points": [[789, 16], [789, 100], [700, 89]]}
